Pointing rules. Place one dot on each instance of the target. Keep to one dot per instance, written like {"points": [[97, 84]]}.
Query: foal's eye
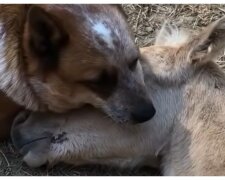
{"points": [[132, 65]]}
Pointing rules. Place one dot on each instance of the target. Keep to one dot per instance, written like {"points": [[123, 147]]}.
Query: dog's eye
{"points": [[100, 79], [104, 84], [103, 79], [133, 64]]}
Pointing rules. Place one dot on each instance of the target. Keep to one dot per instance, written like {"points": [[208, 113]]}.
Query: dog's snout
{"points": [[143, 113]]}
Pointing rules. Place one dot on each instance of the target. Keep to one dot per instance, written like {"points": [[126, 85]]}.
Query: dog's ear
{"points": [[45, 36], [208, 44]]}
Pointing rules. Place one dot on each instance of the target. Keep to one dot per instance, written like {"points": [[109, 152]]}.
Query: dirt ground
{"points": [[144, 20]]}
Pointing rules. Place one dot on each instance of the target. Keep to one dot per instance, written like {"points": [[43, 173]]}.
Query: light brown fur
{"points": [[188, 89]]}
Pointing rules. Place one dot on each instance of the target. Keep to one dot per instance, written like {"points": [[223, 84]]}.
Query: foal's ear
{"points": [[171, 35], [208, 44]]}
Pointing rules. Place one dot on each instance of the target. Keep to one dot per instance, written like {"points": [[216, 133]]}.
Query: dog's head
{"points": [[85, 54]]}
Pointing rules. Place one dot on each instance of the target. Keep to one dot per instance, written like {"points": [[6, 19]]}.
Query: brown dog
{"points": [[60, 57]]}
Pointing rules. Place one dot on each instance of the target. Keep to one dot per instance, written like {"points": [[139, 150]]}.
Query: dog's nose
{"points": [[143, 113]]}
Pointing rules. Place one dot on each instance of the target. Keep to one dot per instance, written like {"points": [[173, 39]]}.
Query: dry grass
{"points": [[145, 20]]}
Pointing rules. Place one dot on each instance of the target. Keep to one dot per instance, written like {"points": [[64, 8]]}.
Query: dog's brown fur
{"points": [[59, 57]]}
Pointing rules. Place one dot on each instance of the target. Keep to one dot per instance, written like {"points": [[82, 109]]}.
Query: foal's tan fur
{"points": [[196, 145], [188, 130]]}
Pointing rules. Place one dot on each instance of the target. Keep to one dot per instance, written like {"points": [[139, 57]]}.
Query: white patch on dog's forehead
{"points": [[104, 32]]}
